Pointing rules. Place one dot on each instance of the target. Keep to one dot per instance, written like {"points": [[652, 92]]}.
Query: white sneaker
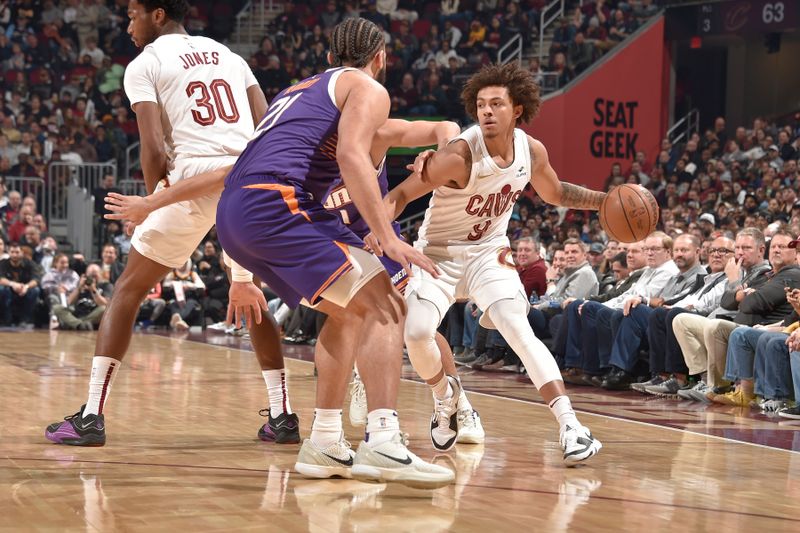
{"points": [[773, 406], [578, 444], [335, 460], [696, 393], [219, 326], [444, 422], [470, 429], [392, 461], [358, 404]]}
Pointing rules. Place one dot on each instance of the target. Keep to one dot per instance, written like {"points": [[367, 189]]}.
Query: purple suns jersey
{"points": [[295, 142], [339, 202]]}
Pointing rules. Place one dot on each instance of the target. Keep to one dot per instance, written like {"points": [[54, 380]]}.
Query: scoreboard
{"points": [[747, 16]]}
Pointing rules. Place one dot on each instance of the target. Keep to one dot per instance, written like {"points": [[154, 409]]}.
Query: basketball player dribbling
{"points": [[476, 180], [393, 133], [196, 106]]}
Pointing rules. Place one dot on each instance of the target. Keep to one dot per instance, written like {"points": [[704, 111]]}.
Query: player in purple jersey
{"points": [[402, 133]]}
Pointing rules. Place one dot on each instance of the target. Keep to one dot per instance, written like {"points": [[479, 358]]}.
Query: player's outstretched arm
{"points": [[554, 191], [448, 167], [136, 208], [151, 136], [410, 134]]}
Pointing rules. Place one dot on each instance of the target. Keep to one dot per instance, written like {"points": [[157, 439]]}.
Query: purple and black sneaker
{"points": [[76, 430], [283, 429]]}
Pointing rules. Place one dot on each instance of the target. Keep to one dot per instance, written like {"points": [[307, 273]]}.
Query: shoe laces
{"points": [[400, 438], [264, 412], [773, 405], [78, 415], [342, 446], [359, 392], [466, 418], [443, 410]]}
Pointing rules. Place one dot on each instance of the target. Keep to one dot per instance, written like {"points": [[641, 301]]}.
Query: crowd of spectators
{"points": [[433, 45]]}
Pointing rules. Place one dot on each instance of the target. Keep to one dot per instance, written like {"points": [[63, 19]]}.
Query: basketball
{"points": [[629, 213]]}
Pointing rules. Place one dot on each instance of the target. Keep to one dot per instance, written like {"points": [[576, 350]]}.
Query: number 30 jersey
{"points": [[201, 88], [295, 143]]}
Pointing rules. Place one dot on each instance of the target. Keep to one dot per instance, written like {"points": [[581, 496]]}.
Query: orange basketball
{"points": [[629, 213]]}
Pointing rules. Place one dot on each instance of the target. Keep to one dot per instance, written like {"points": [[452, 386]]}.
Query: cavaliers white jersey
{"points": [[480, 211], [201, 88]]}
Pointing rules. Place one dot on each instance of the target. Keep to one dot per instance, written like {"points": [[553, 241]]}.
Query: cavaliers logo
{"points": [[505, 257], [736, 18]]}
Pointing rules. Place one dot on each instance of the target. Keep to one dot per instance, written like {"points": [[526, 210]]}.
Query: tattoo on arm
{"points": [[578, 197]]}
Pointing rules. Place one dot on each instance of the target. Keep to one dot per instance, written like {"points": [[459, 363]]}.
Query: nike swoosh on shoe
{"points": [[348, 462], [406, 461]]}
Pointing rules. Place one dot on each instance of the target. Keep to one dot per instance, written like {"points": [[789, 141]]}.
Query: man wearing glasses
{"points": [[629, 326], [666, 358], [589, 333], [757, 296]]}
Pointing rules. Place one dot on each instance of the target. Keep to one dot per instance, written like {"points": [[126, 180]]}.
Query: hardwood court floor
{"points": [[182, 454]]}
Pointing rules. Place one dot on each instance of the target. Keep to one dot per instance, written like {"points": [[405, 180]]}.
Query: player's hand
{"points": [[245, 300], [372, 243], [133, 208], [419, 163], [406, 255]]}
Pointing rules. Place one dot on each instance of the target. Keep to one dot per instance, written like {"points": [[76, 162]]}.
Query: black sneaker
{"points": [[76, 430], [284, 429], [790, 412]]}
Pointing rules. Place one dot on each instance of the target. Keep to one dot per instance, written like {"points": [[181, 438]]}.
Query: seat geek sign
{"points": [[619, 108], [615, 136]]}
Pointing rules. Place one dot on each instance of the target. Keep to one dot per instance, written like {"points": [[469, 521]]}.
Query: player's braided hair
{"points": [[354, 42], [175, 9], [518, 81]]}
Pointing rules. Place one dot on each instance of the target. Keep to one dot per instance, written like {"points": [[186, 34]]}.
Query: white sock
{"points": [[103, 371], [382, 425], [327, 427], [463, 401], [561, 408], [442, 389], [277, 391]]}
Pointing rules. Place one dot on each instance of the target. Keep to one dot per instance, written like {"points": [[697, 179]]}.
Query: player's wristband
{"points": [[240, 274]]}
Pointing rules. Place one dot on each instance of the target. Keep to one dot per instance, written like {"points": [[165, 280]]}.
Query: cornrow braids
{"points": [[354, 42]]}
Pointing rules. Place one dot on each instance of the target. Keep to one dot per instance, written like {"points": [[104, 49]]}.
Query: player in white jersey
{"points": [[476, 179], [196, 106]]}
